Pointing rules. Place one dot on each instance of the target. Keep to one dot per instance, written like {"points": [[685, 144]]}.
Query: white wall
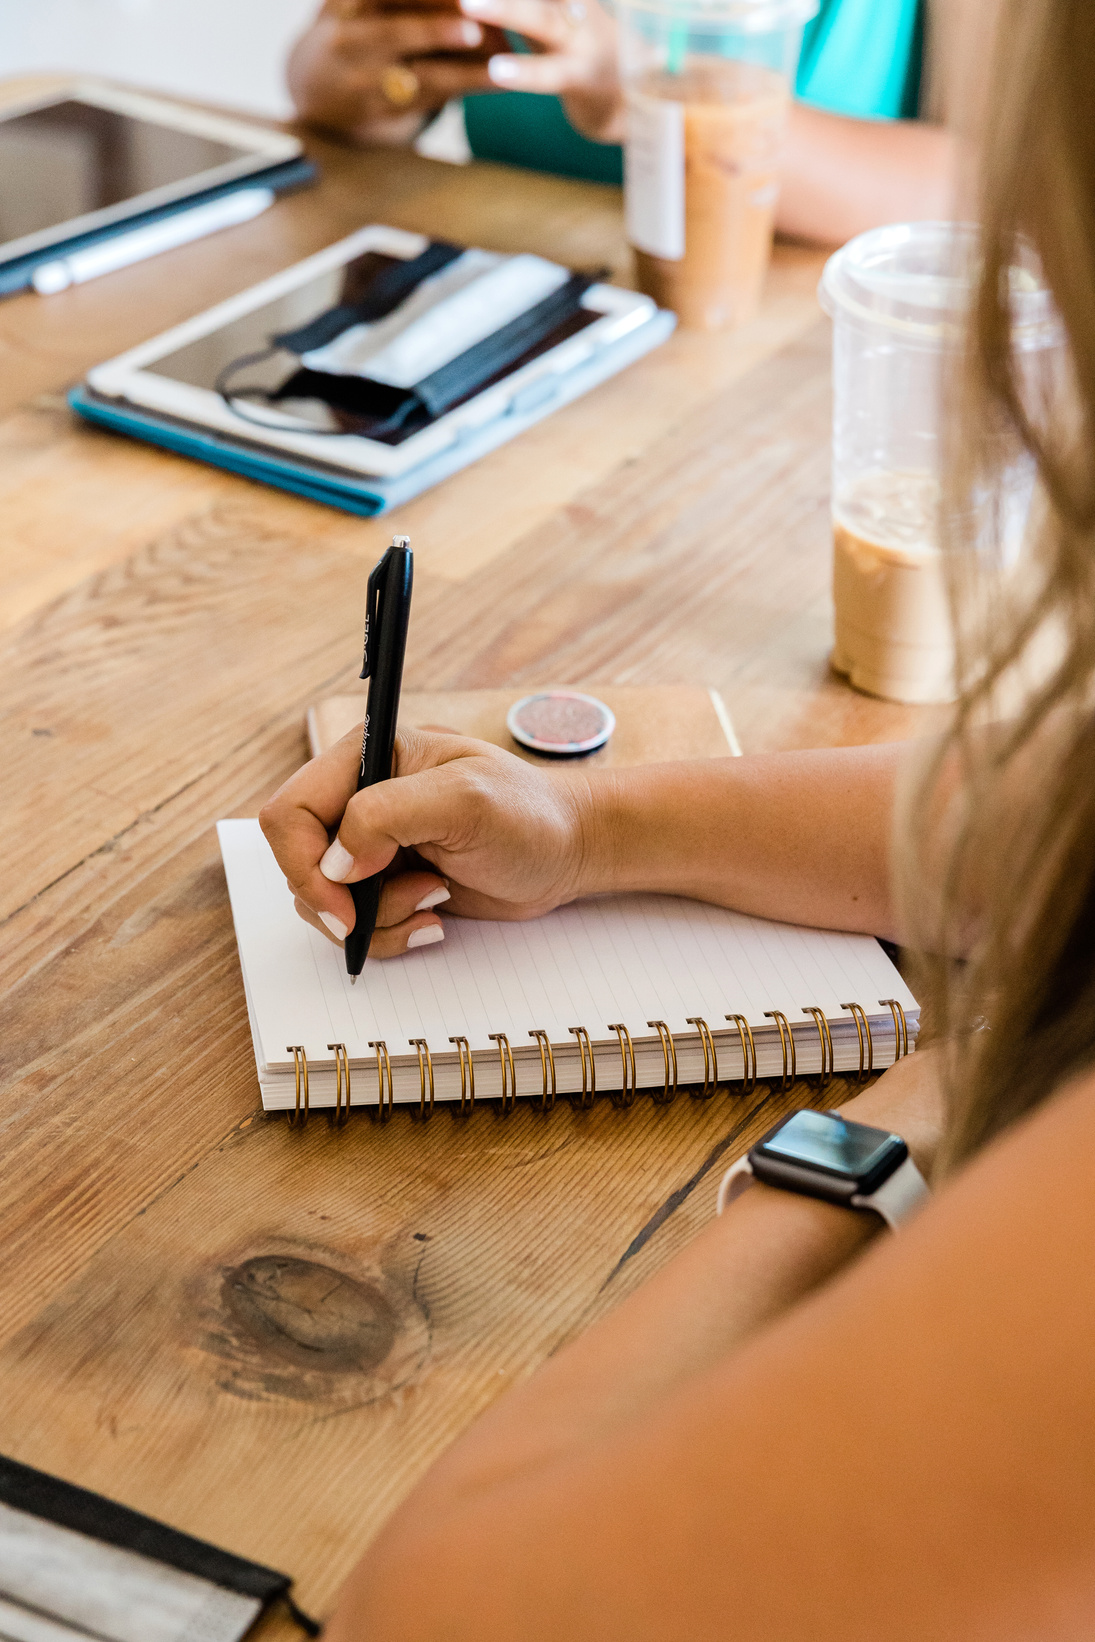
{"points": [[220, 51]]}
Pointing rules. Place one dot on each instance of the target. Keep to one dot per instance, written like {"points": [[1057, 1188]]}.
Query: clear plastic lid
{"points": [[741, 16], [917, 279]]}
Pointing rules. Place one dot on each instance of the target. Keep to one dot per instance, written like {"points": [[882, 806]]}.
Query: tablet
{"points": [[89, 156], [296, 365]]}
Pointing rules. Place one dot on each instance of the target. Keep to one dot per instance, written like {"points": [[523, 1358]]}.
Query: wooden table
{"points": [[262, 1336]]}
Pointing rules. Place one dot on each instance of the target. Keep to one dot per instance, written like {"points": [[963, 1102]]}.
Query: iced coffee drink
{"points": [[702, 185], [893, 627]]}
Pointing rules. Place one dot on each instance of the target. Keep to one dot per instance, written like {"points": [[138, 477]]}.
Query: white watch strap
{"points": [[898, 1197], [895, 1200], [737, 1178]]}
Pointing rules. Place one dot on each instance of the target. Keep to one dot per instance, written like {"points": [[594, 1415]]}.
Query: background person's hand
{"points": [[574, 58], [374, 71], [465, 825], [344, 70]]}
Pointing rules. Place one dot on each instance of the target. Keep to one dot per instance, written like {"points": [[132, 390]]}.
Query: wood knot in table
{"points": [[284, 1325], [305, 1313]]}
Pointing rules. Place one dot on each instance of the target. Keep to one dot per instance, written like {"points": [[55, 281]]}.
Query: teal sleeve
{"points": [[859, 57], [863, 57], [525, 128]]}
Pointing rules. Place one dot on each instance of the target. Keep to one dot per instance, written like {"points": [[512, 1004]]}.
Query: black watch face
{"points": [[820, 1140]]}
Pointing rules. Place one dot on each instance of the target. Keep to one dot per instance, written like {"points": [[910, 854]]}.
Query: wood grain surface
{"points": [[261, 1336]]}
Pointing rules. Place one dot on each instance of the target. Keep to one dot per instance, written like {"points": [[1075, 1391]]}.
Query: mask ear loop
{"points": [[231, 395]]}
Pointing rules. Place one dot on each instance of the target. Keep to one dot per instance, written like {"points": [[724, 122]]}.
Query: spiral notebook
{"points": [[615, 996]]}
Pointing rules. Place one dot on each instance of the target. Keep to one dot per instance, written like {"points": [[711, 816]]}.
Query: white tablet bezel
{"points": [[132, 377], [265, 148]]}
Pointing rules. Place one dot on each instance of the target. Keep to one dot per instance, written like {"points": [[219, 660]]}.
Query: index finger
{"points": [[299, 819]]}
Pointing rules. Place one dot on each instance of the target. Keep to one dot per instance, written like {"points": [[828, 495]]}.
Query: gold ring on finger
{"points": [[400, 85]]}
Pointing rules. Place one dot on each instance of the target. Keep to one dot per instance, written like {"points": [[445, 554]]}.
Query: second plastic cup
{"points": [[708, 84], [899, 298]]}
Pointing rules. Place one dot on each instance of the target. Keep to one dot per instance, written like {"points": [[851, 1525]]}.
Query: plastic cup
{"points": [[898, 298], [707, 84]]}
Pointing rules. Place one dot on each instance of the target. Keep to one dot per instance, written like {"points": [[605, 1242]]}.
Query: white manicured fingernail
{"points": [[502, 70], [337, 863], [335, 925], [475, 7], [433, 899], [425, 937], [471, 34]]}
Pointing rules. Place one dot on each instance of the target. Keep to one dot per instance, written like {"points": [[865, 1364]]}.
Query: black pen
{"points": [[387, 616]]}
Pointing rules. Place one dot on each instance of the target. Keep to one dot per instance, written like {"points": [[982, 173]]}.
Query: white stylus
{"points": [[124, 249]]}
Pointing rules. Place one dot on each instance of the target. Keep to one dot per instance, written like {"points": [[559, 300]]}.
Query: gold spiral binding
{"points": [[827, 1059], [786, 1039], [300, 1066], [425, 1070], [710, 1058], [626, 1095], [338, 1118], [900, 1028], [383, 1073], [509, 1073], [866, 1042], [546, 1102], [748, 1053], [467, 1076], [669, 1054], [589, 1070]]}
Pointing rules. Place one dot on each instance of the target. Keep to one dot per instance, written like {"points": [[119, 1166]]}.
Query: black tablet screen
{"points": [[71, 157]]}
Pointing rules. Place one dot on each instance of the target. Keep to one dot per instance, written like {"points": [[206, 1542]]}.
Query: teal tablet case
{"points": [[360, 494]]}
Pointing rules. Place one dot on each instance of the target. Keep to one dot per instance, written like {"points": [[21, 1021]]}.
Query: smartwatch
{"points": [[821, 1154]]}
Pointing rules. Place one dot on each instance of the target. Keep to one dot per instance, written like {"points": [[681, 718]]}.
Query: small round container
{"points": [[708, 86], [560, 723], [898, 298]]}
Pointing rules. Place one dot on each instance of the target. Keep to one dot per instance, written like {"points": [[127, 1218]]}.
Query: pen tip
{"points": [[353, 980]]}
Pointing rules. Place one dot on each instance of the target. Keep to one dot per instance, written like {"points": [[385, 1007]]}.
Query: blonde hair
{"points": [[1018, 1017]]}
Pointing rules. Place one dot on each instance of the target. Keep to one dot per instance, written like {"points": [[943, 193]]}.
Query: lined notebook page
{"points": [[631, 958]]}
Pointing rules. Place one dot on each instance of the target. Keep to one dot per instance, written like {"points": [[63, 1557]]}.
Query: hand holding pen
{"points": [[395, 906], [372, 839]]}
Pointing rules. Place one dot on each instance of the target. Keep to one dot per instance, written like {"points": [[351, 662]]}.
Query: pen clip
{"points": [[372, 612], [372, 602]]}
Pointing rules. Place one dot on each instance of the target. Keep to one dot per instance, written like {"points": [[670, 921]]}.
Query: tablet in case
{"points": [[89, 162], [406, 360]]}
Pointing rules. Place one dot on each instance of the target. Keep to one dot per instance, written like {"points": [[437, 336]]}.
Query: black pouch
{"points": [[376, 410]]}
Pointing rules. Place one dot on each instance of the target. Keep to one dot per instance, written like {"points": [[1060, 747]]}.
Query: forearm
{"points": [[767, 1253], [842, 176], [745, 1269], [754, 1264], [800, 837]]}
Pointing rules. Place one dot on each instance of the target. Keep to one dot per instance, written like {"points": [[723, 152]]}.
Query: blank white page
{"points": [[631, 958]]}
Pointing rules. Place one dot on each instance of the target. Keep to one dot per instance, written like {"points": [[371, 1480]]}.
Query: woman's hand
{"points": [[466, 826], [374, 72]]}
